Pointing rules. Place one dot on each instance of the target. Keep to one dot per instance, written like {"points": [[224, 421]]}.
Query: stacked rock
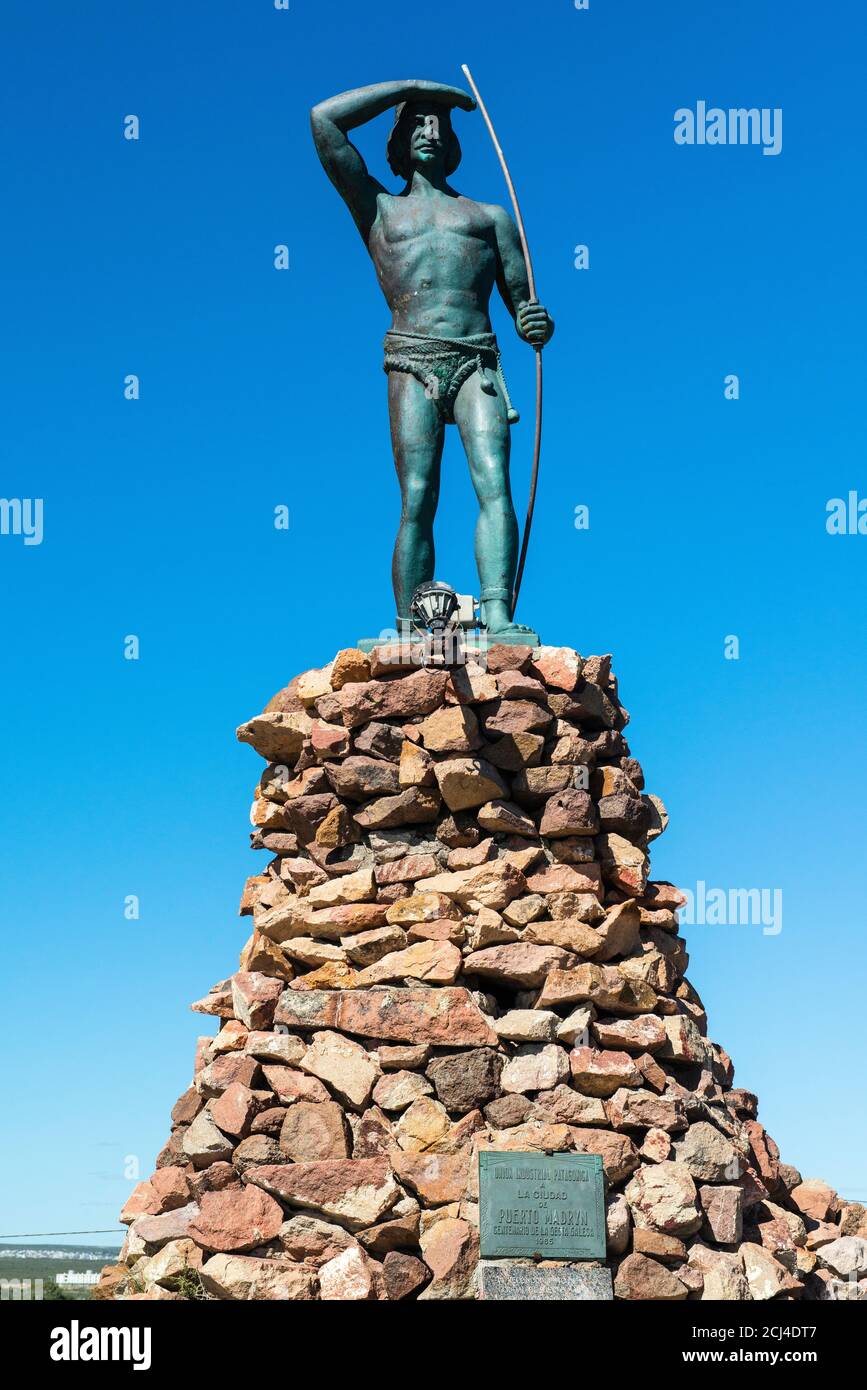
{"points": [[456, 946]]}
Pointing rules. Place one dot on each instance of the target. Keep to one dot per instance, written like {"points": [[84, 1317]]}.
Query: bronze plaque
{"points": [[538, 1204]]}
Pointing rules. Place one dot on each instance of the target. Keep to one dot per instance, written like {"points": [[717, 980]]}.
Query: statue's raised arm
{"points": [[331, 121]]}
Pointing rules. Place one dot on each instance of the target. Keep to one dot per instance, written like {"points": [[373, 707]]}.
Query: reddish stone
{"points": [[415, 806], [217, 1003], [393, 892], [277, 736], [559, 667], [639, 1277], [603, 985], [215, 1178], [652, 1072], [625, 815], [814, 1199], [329, 740], [334, 923], [662, 1247], [407, 870], [560, 878], [620, 935], [269, 1121], [305, 814], [514, 685], [569, 813], [435, 1178], [187, 1107], [445, 1017], [373, 1136], [166, 1190], [765, 1153], [663, 895], [443, 930], [236, 1219], [313, 1131], [743, 1102], [401, 698], [234, 1110], [519, 965], [291, 1085], [224, 1070], [642, 1109], [619, 1154], [513, 717], [309, 1239], [403, 1275], [170, 1225], [642, 1034], [263, 956], [501, 657], [355, 1191], [602, 1073], [254, 996], [359, 777], [451, 1251]]}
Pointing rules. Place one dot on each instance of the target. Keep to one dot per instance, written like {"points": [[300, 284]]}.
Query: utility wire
{"points": [[30, 1235]]}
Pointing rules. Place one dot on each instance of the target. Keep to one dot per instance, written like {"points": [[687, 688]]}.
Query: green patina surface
{"points": [[438, 256]]}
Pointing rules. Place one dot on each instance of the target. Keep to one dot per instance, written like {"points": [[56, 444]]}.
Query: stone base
{"points": [[511, 1279], [457, 950]]}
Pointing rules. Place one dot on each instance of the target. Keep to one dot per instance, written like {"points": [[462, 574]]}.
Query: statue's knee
{"points": [[492, 485], [419, 501]]}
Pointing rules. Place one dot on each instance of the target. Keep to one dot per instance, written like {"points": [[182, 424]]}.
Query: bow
{"points": [[537, 443]]}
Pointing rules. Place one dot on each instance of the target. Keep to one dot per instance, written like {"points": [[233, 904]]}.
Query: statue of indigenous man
{"points": [[438, 256]]}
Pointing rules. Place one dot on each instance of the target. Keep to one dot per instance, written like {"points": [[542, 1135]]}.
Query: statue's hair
{"points": [[397, 149]]}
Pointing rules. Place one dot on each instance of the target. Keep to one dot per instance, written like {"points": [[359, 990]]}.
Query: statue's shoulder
{"points": [[490, 214], [389, 205], [498, 215]]}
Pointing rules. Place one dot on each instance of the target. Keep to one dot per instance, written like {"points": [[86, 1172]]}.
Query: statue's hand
{"points": [[535, 324]]}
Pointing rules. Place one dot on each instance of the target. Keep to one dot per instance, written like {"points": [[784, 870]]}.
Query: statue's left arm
{"points": [[533, 323]]}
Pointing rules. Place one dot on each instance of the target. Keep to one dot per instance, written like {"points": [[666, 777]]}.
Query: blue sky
{"points": [[261, 387]]}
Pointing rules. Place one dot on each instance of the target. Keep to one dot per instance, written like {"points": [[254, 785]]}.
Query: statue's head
{"points": [[422, 138]]}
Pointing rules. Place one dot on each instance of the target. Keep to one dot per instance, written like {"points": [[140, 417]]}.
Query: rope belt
{"points": [[474, 347]]}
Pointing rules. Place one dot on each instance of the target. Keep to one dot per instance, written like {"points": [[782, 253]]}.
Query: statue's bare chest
{"points": [[445, 227]]}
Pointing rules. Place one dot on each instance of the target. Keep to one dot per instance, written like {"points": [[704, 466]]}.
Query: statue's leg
{"points": [[484, 430], [417, 432]]}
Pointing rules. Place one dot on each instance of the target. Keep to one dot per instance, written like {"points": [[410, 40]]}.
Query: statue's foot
{"points": [[498, 626], [497, 618], [510, 630]]}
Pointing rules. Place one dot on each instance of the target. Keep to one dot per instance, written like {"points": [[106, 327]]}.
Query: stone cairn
{"points": [[456, 946]]}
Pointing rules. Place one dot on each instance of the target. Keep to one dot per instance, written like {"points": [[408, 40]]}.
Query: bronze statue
{"points": [[438, 256]]}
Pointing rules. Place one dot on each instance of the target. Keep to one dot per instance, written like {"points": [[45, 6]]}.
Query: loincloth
{"points": [[442, 365]]}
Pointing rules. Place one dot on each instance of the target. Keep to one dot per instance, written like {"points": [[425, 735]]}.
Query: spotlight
{"points": [[434, 608], [435, 615]]}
